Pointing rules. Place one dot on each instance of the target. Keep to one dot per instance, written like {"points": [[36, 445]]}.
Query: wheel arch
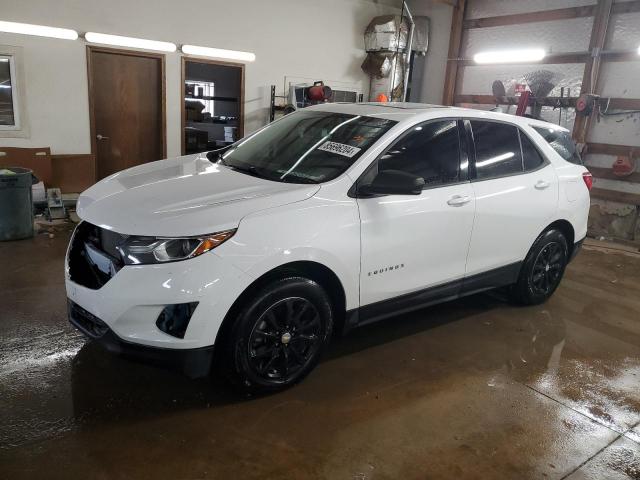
{"points": [[312, 270], [567, 230]]}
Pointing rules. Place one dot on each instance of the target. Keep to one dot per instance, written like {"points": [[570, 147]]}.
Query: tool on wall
{"points": [[530, 93]]}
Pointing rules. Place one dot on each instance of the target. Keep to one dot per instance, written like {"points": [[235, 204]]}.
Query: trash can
{"points": [[16, 206]]}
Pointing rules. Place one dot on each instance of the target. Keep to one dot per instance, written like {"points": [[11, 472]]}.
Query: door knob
{"points": [[101, 137], [458, 200], [541, 184]]}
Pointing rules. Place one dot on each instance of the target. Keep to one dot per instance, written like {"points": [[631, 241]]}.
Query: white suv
{"points": [[332, 217]]}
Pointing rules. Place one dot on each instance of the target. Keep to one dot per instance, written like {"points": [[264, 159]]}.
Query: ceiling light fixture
{"points": [[38, 30], [510, 56], [218, 53], [131, 42]]}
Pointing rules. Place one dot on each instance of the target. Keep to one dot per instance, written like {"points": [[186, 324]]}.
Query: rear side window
{"points": [[430, 151], [561, 142], [497, 149], [532, 157]]}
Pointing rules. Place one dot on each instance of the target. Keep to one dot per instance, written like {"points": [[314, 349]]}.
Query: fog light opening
{"points": [[174, 319]]}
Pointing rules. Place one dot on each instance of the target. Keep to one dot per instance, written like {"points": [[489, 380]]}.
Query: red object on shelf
{"points": [[523, 103], [319, 92], [588, 179], [623, 166]]}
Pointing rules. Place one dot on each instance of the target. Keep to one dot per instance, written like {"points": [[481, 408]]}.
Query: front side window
{"points": [[430, 151], [306, 146], [497, 149], [561, 142]]}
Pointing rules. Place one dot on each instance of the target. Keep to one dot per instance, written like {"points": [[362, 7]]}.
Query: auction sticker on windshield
{"points": [[339, 148]]}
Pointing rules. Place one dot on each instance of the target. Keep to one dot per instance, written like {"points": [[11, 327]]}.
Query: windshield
{"points": [[306, 146]]}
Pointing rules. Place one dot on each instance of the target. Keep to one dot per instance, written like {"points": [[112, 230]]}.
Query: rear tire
{"points": [[278, 336], [542, 269]]}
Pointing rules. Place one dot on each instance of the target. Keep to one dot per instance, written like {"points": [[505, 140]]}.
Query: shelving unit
{"points": [[219, 89]]}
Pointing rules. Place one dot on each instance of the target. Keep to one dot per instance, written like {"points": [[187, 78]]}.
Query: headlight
{"points": [[145, 250]]}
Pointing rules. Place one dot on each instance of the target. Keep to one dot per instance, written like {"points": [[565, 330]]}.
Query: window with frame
{"points": [[532, 158], [561, 142], [9, 116], [497, 149], [430, 151]]}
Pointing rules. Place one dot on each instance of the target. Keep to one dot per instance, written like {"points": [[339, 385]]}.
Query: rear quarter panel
{"points": [[573, 198]]}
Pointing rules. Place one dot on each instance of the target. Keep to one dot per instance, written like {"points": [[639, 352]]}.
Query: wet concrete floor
{"points": [[475, 388]]}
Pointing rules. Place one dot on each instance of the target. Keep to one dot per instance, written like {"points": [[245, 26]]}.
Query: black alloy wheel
{"points": [[545, 274], [542, 269], [277, 336], [284, 339]]}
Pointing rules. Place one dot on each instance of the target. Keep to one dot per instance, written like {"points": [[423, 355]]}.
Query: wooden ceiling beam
{"points": [[548, 15]]}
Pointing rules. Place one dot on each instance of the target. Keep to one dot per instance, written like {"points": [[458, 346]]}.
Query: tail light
{"points": [[588, 180]]}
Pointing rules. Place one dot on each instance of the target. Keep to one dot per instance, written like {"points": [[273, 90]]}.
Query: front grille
{"points": [[93, 255], [85, 321]]}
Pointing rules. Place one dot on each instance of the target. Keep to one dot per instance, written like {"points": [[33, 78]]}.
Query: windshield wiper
{"points": [[249, 169], [297, 179], [216, 155]]}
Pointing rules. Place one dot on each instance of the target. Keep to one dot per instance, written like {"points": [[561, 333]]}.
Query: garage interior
{"points": [[474, 388]]}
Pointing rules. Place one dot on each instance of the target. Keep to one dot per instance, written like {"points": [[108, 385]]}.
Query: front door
{"points": [[126, 95], [410, 243]]}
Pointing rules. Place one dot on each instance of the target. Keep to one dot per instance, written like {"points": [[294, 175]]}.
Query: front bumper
{"points": [[131, 301], [194, 362]]}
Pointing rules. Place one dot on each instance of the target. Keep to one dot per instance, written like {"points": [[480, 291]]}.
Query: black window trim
{"points": [[472, 150], [545, 160], [463, 160]]}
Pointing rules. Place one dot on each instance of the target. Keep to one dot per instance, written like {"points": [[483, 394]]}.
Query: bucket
{"points": [[16, 206]]}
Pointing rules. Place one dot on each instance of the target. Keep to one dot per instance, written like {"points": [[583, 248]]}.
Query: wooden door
{"points": [[126, 99]]}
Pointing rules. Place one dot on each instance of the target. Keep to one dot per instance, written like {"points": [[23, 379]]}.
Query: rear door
{"points": [[516, 192], [412, 242]]}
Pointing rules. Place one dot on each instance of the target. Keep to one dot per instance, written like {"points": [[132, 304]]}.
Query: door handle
{"points": [[101, 137], [459, 200], [541, 184]]}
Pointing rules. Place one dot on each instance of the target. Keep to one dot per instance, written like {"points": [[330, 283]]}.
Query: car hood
{"points": [[182, 196]]}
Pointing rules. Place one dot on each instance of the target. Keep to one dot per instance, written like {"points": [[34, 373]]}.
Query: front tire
{"points": [[542, 269], [279, 335]]}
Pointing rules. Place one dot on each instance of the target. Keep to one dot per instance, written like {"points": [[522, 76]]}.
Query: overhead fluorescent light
{"points": [[638, 50], [218, 53], [131, 42], [510, 56], [38, 30]]}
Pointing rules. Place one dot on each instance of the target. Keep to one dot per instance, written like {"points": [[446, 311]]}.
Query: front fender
{"points": [[316, 230]]}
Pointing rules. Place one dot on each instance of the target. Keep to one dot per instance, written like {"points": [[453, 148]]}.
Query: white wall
{"points": [[436, 61], [306, 38]]}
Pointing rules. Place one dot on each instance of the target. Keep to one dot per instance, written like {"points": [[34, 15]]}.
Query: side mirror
{"points": [[393, 182]]}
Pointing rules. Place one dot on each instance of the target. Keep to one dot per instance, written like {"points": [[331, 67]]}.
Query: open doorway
{"points": [[213, 104]]}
